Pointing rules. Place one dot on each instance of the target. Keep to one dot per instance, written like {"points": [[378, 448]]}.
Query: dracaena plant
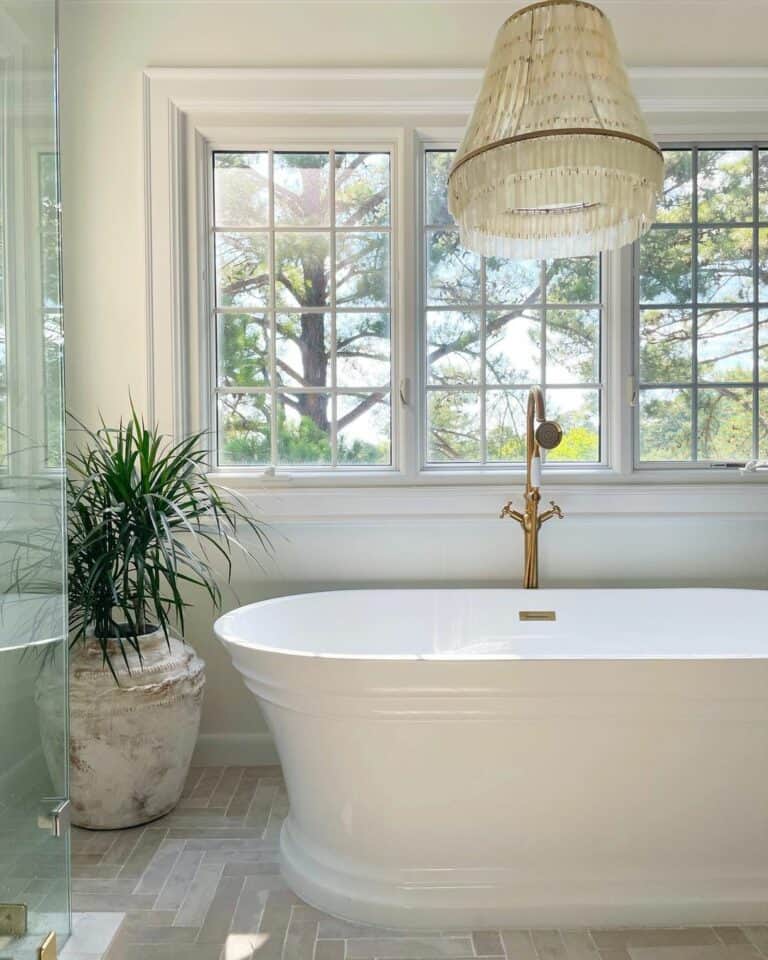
{"points": [[145, 524]]}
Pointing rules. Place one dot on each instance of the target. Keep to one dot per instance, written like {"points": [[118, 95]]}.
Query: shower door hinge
{"points": [[55, 818], [47, 949], [13, 919]]}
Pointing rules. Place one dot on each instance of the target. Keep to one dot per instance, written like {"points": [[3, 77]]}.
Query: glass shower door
{"points": [[34, 837]]}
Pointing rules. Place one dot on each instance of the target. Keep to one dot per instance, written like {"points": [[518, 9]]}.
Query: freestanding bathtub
{"points": [[451, 764]]}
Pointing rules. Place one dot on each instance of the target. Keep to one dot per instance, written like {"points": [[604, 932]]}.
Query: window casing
{"points": [[616, 383]]}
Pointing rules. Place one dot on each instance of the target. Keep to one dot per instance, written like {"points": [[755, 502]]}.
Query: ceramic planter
{"points": [[130, 744]]}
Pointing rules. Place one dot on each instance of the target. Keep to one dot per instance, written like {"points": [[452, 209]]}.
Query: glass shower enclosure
{"points": [[34, 837]]}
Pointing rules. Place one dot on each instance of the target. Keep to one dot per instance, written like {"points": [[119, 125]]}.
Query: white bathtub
{"points": [[451, 766]]}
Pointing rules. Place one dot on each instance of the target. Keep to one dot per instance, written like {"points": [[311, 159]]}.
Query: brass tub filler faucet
{"points": [[540, 434]]}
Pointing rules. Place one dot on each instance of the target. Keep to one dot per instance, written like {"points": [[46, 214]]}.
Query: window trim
{"points": [[183, 108], [320, 142]]}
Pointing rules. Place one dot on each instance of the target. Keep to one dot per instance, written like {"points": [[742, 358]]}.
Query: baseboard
{"points": [[234, 750]]}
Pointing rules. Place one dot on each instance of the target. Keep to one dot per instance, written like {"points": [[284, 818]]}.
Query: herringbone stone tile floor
{"points": [[204, 883]]}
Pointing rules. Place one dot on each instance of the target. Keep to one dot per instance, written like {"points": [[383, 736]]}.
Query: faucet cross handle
{"points": [[554, 511], [508, 511]]}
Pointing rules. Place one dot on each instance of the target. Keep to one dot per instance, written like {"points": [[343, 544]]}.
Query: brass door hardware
{"points": [[538, 615], [47, 949], [54, 816], [13, 919]]}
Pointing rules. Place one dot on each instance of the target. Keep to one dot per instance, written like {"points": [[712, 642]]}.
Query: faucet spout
{"points": [[541, 434]]}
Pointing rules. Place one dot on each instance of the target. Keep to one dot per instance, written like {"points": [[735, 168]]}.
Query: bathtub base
{"points": [[461, 899]]}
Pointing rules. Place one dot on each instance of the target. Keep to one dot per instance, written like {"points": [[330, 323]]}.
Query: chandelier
{"points": [[557, 159]]}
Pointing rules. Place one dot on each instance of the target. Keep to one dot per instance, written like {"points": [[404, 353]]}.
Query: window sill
{"points": [[383, 497]]}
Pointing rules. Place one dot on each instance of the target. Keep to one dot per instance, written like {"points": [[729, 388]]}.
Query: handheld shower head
{"points": [[549, 434]]}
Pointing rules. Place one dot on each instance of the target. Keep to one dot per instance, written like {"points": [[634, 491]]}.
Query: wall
{"points": [[105, 44]]}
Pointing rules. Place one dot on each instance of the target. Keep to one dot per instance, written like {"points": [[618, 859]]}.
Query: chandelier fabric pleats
{"points": [[557, 159]]}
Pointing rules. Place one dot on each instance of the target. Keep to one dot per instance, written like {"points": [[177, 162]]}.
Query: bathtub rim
{"points": [[228, 639]]}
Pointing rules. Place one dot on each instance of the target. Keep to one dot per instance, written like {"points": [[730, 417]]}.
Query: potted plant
{"points": [[144, 525]]}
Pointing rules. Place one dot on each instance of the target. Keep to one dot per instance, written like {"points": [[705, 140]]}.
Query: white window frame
{"points": [[301, 140], [189, 112]]}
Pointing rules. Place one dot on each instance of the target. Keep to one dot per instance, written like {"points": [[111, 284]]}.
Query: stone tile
{"points": [[225, 789], [758, 935], [549, 945], [92, 933], [243, 795], [731, 935], [143, 852], [302, 934], [487, 943], [111, 902], [153, 933], [160, 866], [579, 945], [616, 953], [259, 811], [200, 894], [172, 894], [123, 844], [329, 950], [518, 945], [664, 937], [408, 948], [250, 907], [714, 952], [218, 919]]}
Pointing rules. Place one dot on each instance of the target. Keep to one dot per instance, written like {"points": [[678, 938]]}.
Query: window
{"points": [[50, 298], [492, 329], [702, 311], [302, 308]]}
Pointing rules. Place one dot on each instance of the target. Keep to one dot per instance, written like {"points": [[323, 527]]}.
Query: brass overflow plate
{"points": [[538, 615]]}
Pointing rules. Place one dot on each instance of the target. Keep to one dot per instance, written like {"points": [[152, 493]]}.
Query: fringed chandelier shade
{"points": [[557, 160]]}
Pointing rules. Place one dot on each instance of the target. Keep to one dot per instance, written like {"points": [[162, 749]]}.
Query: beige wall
{"points": [[104, 47]]}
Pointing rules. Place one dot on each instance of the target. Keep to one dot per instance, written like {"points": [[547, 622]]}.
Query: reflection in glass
{"points": [[725, 265], [578, 413], [244, 429], [513, 346], [725, 191], [453, 426], [675, 203], [666, 425], [302, 189], [666, 353], [453, 273], [725, 424], [362, 189], [453, 347], [666, 264], [304, 428], [364, 429], [725, 343], [505, 425], [241, 189]]}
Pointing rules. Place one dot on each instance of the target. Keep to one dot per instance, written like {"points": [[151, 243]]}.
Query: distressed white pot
{"points": [[131, 745]]}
